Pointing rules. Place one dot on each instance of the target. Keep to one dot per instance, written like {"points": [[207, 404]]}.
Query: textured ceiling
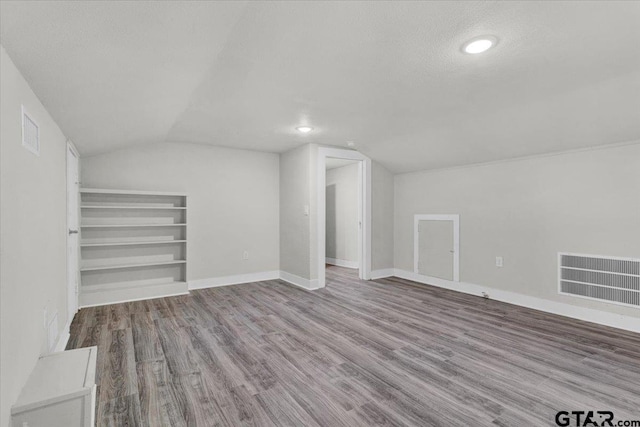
{"points": [[388, 75]]}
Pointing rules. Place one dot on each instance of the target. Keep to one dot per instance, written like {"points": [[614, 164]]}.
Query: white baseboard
{"points": [[63, 338], [298, 281], [619, 321], [381, 274], [342, 262], [234, 280]]}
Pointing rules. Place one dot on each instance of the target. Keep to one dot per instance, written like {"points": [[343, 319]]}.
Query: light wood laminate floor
{"points": [[387, 352]]}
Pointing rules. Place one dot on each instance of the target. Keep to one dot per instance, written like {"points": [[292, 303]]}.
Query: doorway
{"points": [[73, 230], [347, 237], [436, 249], [343, 222]]}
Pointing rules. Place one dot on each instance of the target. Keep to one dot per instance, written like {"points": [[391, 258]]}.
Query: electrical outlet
{"points": [[245, 255], [499, 261]]}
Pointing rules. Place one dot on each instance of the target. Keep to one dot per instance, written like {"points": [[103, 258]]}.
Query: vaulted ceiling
{"points": [[389, 76]]}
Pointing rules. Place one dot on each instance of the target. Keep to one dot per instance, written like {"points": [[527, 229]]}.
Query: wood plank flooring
{"points": [[387, 352]]}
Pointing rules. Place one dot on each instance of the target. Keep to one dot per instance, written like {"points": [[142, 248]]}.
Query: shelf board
{"points": [[129, 192], [146, 242], [133, 293], [132, 207], [131, 225], [121, 266], [124, 285]]}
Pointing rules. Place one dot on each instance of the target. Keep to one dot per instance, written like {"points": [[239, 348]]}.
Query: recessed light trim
{"points": [[304, 129], [479, 44]]}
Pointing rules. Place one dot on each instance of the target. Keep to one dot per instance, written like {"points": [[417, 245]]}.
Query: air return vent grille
{"points": [[30, 134], [609, 279]]}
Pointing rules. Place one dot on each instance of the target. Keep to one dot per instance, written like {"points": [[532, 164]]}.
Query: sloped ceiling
{"points": [[388, 75]]}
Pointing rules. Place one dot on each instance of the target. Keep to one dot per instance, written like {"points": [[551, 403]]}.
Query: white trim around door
{"points": [[73, 230], [455, 218], [364, 241]]}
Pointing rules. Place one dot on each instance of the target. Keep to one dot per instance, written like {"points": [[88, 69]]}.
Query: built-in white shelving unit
{"points": [[133, 245]]}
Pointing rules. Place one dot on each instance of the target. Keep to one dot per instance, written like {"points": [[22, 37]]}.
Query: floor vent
{"points": [[609, 279]]}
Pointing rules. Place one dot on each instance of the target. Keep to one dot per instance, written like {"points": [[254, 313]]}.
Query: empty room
{"points": [[319, 213]]}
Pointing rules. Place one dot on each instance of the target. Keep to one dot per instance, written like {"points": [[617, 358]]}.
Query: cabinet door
{"points": [[68, 413]]}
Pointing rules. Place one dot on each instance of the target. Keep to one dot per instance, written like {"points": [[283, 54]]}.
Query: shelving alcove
{"points": [[133, 245]]}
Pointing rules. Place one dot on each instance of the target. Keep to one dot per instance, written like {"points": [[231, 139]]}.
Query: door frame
{"points": [[72, 290], [455, 218], [364, 210]]}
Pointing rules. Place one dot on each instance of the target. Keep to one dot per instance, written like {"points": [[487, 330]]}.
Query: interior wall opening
{"points": [[343, 222], [344, 211]]}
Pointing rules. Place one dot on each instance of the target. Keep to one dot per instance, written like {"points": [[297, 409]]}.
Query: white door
{"points": [[436, 249], [436, 246], [73, 193]]}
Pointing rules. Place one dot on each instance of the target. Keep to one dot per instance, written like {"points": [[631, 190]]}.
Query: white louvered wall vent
{"points": [[609, 279], [30, 134]]}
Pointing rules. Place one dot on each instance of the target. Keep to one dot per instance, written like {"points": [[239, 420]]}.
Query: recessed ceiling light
{"points": [[479, 44], [351, 144], [304, 129]]}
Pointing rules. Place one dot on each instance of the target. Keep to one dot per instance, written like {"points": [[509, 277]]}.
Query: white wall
{"points": [[527, 211], [232, 200], [295, 226], [313, 217], [33, 274], [382, 202], [342, 213]]}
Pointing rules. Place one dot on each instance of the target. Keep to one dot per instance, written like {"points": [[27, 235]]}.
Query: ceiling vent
{"points": [[30, 133], [608, 279]]}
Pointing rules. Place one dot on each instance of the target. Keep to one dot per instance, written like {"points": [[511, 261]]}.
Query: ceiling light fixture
{"points": [[351, 144], [479, 44], [304, 129]]}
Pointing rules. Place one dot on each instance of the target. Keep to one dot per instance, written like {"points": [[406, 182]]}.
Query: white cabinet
{"points": [[60, 392], [133, 245]]}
